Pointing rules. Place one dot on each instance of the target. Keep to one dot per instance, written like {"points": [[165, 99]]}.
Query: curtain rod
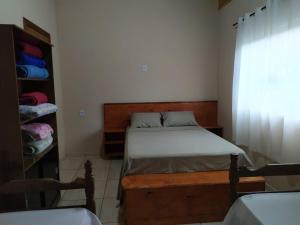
{"points": [[252, 14]]}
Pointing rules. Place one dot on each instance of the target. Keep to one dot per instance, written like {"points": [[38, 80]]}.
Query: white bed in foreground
{"points": [[72, 216], [265, 209]]}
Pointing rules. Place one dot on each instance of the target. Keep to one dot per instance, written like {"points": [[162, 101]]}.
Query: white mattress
{"points": [[177, 149], [74, 216], [265, 209]]}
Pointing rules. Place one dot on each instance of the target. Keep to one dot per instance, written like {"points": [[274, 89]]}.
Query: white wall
{"points": [[104, 42], [228, 16], [42, 13]]}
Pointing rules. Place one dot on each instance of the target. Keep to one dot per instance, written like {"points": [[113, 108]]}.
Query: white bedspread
{"points": [[177, 149], [74, 216], [265, 209]]}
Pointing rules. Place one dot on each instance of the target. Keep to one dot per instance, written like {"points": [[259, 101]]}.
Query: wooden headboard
{"points": [[117, 115]]}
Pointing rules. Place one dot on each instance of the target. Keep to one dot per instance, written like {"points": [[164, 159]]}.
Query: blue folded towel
{"points": [[25, 59], [30, 71]]}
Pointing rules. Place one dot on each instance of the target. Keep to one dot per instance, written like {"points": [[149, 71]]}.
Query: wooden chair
{"points": [[40, 185], [236, 172]]}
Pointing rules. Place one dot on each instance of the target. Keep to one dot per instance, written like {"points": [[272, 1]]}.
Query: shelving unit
{"points": [[13, 163], [114, 142]]}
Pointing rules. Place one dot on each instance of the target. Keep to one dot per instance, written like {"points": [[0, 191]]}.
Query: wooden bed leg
{"points": [[90, 187], [233, 177]]}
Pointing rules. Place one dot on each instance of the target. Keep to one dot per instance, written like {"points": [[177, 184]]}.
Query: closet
{"points": [[14, 164]]}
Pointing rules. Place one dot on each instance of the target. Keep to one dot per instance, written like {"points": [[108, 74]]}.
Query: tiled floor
{"points": [[106, 174]]}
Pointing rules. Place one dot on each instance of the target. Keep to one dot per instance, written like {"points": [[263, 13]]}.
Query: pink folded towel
{"points": [[38, 131]]}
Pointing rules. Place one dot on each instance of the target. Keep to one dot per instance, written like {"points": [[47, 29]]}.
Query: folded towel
{"points": [[36, 147], [30, 71], [31, 50], [33, 98], [38, 131], [25, 59], [37, 110]]}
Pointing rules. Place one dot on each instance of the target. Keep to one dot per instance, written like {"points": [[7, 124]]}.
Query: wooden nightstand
{"points": [[114, 142], [218, 130]]}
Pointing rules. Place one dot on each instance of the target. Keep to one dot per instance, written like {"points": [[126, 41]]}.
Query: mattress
{"points": [[72, 216], [265, 209], [177, 149]]}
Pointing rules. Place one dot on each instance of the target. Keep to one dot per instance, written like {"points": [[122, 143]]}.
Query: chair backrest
{"points": [[40, 185], [236, 172]]}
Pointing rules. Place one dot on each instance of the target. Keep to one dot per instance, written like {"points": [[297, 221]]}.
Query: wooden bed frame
{"points": [[117, 115], [40, 185], [179, 198]]}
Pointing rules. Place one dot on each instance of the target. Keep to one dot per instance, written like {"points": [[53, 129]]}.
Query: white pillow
{"points": [[145, 120], [178, 119]]}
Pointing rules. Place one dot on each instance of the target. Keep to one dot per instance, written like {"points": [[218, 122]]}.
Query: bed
{"points": [[189, 186], [263, 208], [75, 216], [177, 149]]}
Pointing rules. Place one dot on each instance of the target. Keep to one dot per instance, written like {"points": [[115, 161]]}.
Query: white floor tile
{"points": [[115, 170], [76, 194], [80, 173], [99, 188], [71, 163], [71, 203], [117, 163], [111, 190], [98, 206], [110, 211], [67, 175], [98, 173], [97, 162]]}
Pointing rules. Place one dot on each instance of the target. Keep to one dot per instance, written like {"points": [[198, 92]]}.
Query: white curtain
{"points": [[266, 84]]}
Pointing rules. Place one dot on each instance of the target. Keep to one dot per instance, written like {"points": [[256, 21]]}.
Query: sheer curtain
{"points": [[266, 84]]}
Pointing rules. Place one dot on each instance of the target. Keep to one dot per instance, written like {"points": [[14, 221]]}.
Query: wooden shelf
{"points": [[114, 142], [30, 160], [31, 79], [28, 120]]}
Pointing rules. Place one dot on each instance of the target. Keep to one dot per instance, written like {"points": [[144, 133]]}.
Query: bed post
{"points": [[233, 177], [90, 187]]}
